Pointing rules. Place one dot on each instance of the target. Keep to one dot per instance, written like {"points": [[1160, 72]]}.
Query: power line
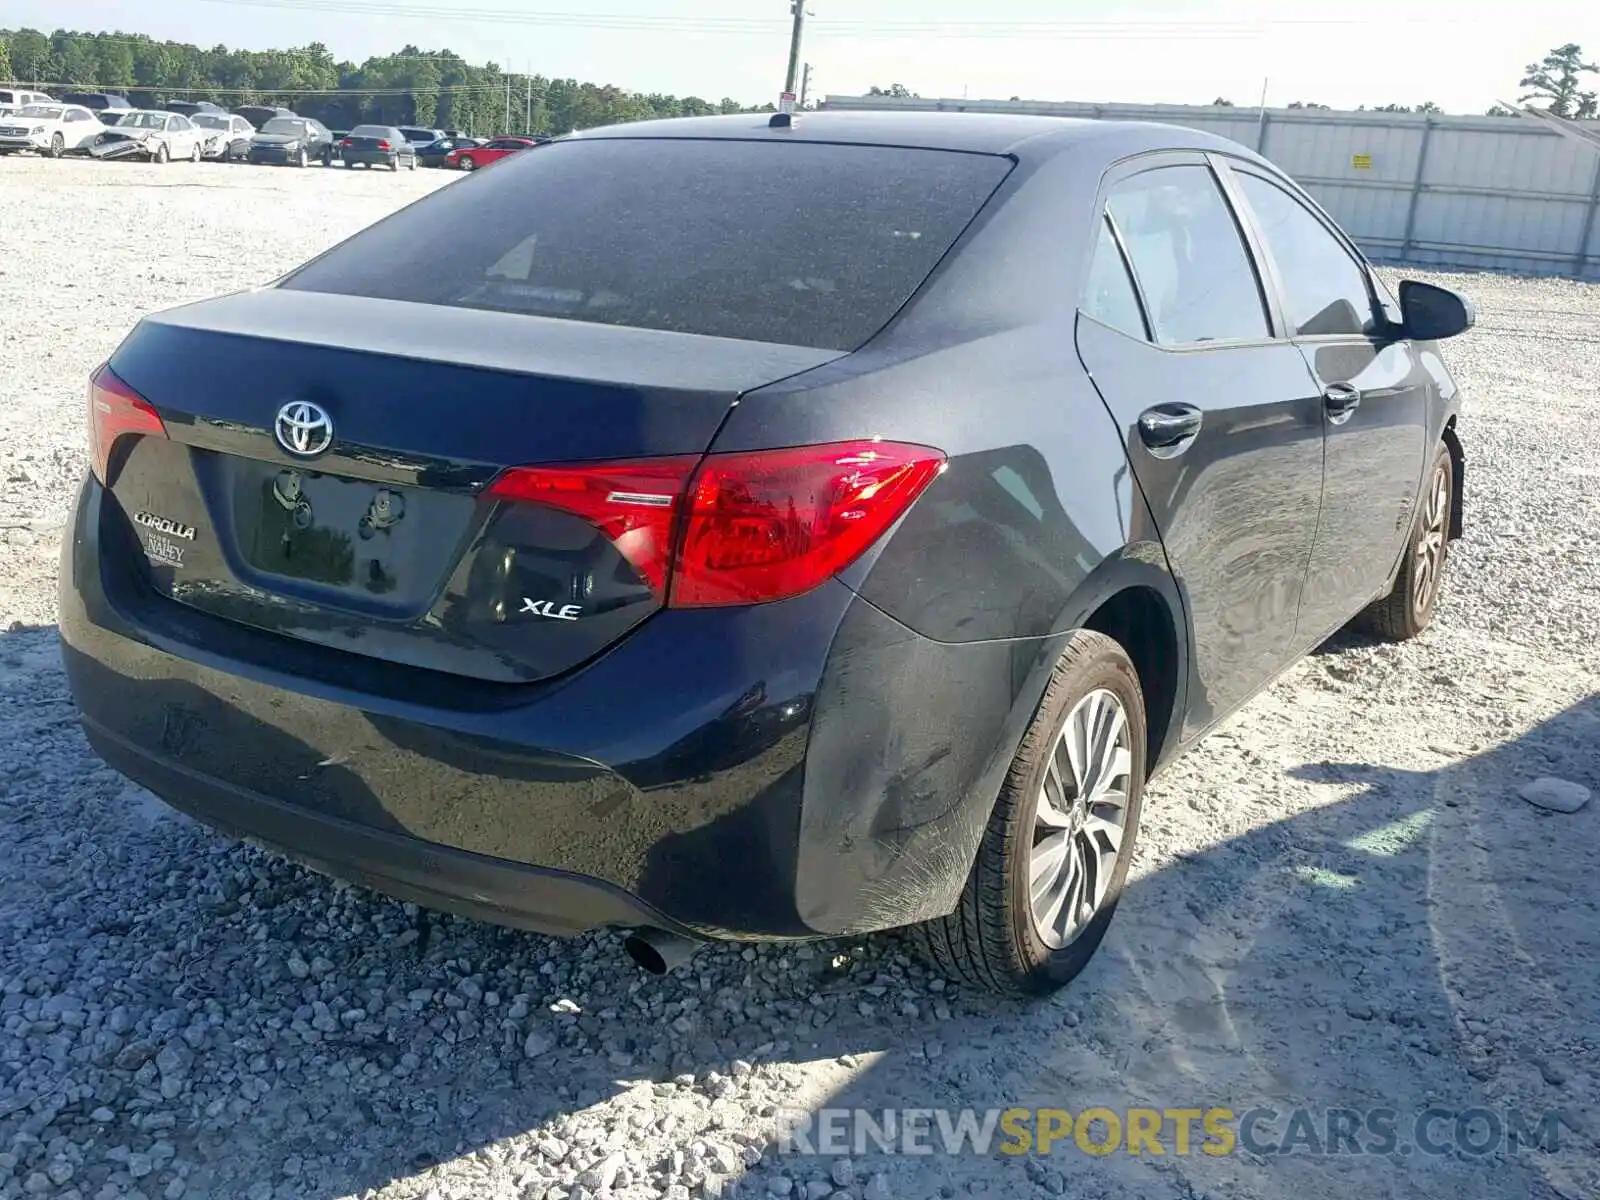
{"points": [[921, 26]]}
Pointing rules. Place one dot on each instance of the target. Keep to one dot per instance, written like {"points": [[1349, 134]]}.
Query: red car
{"points": [[470, 158]]}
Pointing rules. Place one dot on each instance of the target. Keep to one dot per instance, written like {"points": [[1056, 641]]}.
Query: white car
{"points": [[11, 99], [52, 129], [166, 136]]}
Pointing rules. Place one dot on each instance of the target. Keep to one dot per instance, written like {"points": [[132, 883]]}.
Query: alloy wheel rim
{"points": [[1430, 542], [1080, 816]]}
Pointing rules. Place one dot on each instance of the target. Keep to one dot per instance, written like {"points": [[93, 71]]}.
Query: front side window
{"points": [[1193, 270], [1109, 296], [1324, 289]]}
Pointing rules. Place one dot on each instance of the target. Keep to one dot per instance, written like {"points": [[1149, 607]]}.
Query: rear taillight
{"points": [[346, 143], [633, 504], [383, 145], [116, 409], [738, 528]]}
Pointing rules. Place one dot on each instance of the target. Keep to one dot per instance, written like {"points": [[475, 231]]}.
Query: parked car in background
{"points": [[722, 567], [292, 141], [232, 143], [471, 158], [259, 114], [50, 129], [155, 134], [377, 146], [420, 137], [11, 99], [435, 154], [99, 102], [192, 108]]}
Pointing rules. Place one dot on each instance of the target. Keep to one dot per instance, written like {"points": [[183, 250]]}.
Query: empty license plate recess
{"points": [[384, 542]]}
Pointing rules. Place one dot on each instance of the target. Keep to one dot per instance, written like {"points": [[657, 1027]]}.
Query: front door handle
{"points": [[1168, 429], [1341, 401]]}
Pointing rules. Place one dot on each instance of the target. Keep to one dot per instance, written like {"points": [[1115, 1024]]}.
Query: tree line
{"points": [[1555, 82], [435, 89]]}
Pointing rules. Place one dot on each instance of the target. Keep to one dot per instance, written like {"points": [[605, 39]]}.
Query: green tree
{"points": [[30, 55], [898, 90], [1220, 102], [1557, 79]]}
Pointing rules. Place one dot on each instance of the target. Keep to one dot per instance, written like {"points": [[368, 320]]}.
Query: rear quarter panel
{"points": [[968, 602]]}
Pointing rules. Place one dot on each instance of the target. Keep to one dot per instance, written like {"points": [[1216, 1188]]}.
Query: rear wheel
{"points": [[1408, 609], [394, 164], [1052, 862], [58, 146]]}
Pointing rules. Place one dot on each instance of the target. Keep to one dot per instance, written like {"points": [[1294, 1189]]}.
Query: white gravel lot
{"points": [[1340, 901]]}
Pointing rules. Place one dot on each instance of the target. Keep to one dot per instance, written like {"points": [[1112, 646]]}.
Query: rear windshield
{"points": [[283, 125], [799, 243], [372, 131]]}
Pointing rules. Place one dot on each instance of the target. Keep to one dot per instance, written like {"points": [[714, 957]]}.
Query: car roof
{"points": [[1021, 136]]}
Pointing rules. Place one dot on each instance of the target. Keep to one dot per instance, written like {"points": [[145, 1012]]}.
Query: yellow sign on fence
{"points": [[1361, 162]]}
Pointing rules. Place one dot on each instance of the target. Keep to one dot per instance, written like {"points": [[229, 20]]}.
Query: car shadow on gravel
{"points": [[188, 1016]]}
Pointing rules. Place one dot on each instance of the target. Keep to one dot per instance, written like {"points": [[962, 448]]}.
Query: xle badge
{"points": [[547, 608]]}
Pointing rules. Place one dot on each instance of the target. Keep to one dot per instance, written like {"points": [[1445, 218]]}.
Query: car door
{"points": [[78, 128], [1375, 399], [1221, 420]]}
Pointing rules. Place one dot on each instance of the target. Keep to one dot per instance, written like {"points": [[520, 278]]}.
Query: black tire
{"points": [[991, 939], [394, 164], [348, 165], [301, 159], [194, 154], [468, 164], [162, 153], [1408, 608], [58, 146]]}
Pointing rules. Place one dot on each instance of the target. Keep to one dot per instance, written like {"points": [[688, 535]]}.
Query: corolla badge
{"points": [[303, 428], [165, 525]]}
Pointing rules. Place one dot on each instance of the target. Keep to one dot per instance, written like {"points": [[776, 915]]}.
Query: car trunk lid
{"points": [[385, 544]]}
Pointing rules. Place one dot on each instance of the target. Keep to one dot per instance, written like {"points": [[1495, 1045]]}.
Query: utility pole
{"points": [[798, 7], [527, 125], [507, 125], [805, 85]]}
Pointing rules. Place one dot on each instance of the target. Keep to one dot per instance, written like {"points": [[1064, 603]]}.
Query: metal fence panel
{"points": [[1469, 193]]}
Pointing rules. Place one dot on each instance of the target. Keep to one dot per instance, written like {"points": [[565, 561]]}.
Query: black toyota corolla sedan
{"points": [[722, 530]]}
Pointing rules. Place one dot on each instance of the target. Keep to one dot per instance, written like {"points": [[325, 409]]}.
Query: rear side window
{"points": [[1324, 289], [1109, 296], [790, 242], [1196, 277]]}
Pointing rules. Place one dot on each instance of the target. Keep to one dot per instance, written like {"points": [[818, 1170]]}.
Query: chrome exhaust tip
{"points": [[657, 951]]}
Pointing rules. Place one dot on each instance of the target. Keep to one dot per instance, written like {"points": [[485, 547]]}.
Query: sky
{"points": [[1152, 51]]}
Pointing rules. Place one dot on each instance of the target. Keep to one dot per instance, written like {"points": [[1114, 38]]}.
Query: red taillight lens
{"points": [[346, 143], [633, 504], [738, 528], [116, 409], [383, 145], [776, 523]]}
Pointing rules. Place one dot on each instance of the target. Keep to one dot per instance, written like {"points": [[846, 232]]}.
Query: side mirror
{"points": [[1431, 313]]}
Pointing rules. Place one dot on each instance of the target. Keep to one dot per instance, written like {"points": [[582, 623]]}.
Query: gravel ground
{"points": [[1339, 899]]}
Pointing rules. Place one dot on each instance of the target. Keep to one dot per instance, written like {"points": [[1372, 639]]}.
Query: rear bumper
{"points": [[473, 885], [372, 158], [798, 769]]}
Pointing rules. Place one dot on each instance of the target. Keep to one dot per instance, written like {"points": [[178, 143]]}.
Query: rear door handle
{"points": [[1168, 429], [1341, 401]]}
